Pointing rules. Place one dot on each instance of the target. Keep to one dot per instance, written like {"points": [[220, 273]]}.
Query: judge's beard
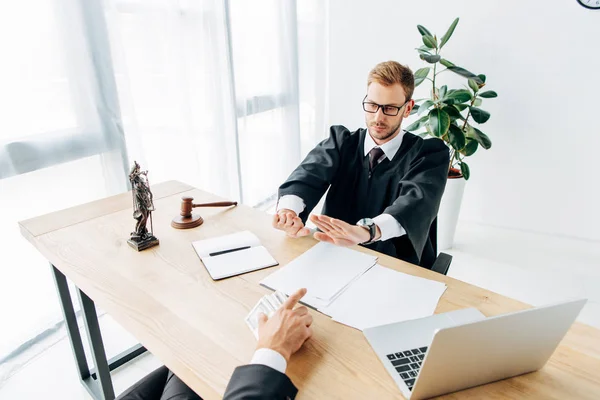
{"points": [[385, 135]]}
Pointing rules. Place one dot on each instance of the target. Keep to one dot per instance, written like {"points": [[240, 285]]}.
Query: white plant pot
{"points": [[448, 212]]}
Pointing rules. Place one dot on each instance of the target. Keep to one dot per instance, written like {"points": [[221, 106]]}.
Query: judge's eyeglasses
{"points": [[391, 111]]}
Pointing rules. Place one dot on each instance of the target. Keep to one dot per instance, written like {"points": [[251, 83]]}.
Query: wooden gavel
{"points": [[187, 220]]}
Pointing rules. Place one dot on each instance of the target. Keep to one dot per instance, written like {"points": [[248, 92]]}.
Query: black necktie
{"points": [[374, 156]]}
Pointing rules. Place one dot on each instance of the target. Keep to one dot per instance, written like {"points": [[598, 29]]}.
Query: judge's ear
{"points": [[408, 108]]}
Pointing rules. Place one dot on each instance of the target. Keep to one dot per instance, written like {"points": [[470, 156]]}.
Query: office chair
{"points": [[443, 260]]}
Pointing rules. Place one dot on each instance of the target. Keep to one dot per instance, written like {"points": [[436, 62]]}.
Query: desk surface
{"points": [[195, 326]]}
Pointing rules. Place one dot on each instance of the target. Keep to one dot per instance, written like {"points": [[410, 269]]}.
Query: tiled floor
{"points": [[533, 268]]}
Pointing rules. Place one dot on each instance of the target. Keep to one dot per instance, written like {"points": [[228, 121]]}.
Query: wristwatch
{"points": [[369, 225]]}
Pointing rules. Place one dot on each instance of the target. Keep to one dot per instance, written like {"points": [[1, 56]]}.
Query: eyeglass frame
{"points": [[381, 106]]}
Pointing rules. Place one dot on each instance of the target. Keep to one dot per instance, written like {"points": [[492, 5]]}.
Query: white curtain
{"points": [[209, 90], [225, 95], [174, 85]]}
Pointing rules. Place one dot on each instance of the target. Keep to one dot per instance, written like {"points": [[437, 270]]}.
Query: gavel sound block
{"points": [[187, 220]]}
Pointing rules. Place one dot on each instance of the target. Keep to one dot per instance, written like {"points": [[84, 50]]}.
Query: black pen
{"points": [[218, 253]]}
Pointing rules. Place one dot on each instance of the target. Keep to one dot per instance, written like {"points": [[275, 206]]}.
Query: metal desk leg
{"points": [[97, 381]]}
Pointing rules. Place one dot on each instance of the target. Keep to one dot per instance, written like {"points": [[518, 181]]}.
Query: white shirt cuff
{"points": [[270, 358], [389, 227], [291, 202]]}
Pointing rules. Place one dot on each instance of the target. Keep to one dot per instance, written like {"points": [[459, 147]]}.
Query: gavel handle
{"points": [[216, 204]]}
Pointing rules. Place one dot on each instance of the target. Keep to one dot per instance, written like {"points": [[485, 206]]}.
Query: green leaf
{"points": [[446, 63], [459, 96], [477, 102], [480, 137], [467, 74], [423, 49], [443, 91], [430, 58], [482, 77], [420, 75], [422, 72], [439, 121], [418, 123], [490, 94], [460, 107], [429, 41], [414, 109], [425, 106], [456, 137], [480, 116], [464, 168], [453, 113], [470, 148], [423, 31], [448, 33], [473, 85]]}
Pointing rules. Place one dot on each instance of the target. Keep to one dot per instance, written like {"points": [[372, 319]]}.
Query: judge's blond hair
{"points": [[389, 73]]}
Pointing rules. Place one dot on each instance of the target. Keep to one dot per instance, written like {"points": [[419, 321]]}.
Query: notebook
{"points": [[234, 254]]}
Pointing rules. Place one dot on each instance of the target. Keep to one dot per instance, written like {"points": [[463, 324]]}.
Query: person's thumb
{"points": [[303, 232], [262, 319]]}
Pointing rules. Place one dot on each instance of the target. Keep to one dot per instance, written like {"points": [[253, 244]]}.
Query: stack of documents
{"points": [[384, 296], [325, 271], [351, 288]]}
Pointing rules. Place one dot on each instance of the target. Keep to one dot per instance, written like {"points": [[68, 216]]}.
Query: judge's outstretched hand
{"points": [[287, 221], [338, 232]]}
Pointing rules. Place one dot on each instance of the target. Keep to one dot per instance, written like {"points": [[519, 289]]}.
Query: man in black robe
{"points": [[385, 184]]}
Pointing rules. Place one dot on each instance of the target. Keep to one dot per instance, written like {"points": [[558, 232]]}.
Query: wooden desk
{"points": [[195, 326]]}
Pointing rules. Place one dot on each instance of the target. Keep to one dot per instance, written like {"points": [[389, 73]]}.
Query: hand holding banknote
{"points": [[287, 329]]}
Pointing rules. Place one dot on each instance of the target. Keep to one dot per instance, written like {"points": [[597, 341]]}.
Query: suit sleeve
{"points": [[420, 192], [259, 382], [311, 179]]}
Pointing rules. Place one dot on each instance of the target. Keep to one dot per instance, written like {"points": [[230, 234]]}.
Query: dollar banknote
{"points": [[268, 305]]}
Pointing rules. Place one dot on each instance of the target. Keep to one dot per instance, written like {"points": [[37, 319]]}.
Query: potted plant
{"points": [[450, 114]]}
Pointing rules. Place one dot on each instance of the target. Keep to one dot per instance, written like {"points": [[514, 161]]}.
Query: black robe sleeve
{"points": [[420, 192], [312, 177], [258, 382]]}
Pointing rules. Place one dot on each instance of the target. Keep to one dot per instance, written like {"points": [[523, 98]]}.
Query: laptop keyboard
{"points": [[408, 364]]}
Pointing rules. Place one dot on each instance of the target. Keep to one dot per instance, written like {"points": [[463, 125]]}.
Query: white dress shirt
{"points": [[270, 358], [388, 225]]}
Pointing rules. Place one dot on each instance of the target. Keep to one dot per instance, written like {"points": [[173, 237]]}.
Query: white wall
{"points": [[543, 60]]}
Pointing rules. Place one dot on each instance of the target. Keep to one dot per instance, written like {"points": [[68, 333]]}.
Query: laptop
{"points": [[448, 352]]}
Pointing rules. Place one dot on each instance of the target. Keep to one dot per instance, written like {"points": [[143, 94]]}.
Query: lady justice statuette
{"points": [[143, 205]]}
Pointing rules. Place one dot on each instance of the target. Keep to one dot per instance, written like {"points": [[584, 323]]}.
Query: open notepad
{"points": [[234, 254]]}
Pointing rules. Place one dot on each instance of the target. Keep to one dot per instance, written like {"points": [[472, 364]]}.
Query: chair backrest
{"points": [[433, 235], [443, 260]]}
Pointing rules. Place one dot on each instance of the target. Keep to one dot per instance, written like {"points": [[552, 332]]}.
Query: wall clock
{"points": [[591, 4]]}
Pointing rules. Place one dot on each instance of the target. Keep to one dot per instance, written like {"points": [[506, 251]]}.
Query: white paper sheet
{"points": [[324, 270], [382, 296]]}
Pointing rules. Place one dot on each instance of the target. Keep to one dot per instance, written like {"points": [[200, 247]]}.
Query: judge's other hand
{"points": [[287, 329], [338, 232], [287, 221]]}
